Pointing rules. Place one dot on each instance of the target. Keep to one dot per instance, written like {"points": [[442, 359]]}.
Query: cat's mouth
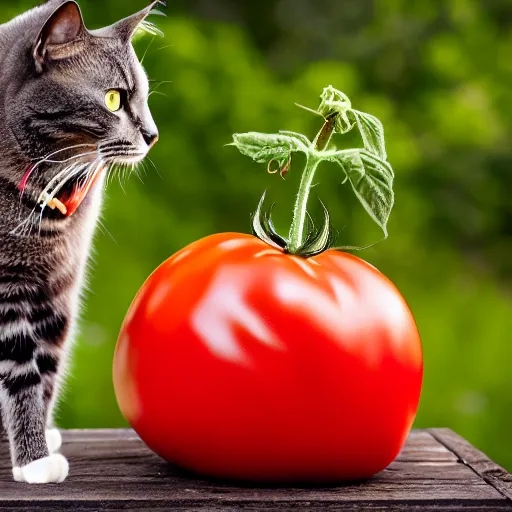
{"points": [[68, 189], [70, 194], [74, 192]]}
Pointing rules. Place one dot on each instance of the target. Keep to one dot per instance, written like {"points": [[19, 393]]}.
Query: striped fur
{"points": [[51, 114]]}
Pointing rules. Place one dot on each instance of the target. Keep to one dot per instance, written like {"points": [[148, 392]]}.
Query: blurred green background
{"points": [[438, 75]]}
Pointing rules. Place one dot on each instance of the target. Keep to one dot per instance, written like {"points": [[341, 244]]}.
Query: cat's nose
{"points": [[150, 136]]}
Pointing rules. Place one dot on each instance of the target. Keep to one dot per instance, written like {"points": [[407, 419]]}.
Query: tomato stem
{"points": [[314, 158], [365, 168]]}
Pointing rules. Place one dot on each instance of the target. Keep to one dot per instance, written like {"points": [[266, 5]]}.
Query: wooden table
{"points": [[113, 470]]}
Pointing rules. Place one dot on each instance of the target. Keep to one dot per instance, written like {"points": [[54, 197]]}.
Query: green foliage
{"points": [[438, 76], [372, 181], [265, 148], [367, 170], [372, 133]]}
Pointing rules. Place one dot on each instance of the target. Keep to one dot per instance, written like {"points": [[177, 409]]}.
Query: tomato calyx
{"points": [[316, 240], [366, 169]]}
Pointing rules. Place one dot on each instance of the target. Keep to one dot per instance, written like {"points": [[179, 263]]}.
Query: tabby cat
{"points": [[73, 103]]}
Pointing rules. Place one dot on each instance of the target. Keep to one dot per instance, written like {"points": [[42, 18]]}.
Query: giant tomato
{"points": [[237, 360]]}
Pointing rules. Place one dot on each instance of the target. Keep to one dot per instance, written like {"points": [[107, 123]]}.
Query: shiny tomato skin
{"points": [[236, 360]]}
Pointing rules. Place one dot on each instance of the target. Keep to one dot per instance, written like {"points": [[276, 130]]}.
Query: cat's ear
{"points": [[60, 36], [125, 29]]}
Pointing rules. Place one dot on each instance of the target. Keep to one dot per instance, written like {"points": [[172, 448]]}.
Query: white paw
{"points": [[54, 468], [53, 440]]}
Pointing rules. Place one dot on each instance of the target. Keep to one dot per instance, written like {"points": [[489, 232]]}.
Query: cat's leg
{"points": [[24, 418], [53, 439], [48, 365]]}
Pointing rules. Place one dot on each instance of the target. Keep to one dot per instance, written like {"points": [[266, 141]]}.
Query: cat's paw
{"points": [[52, 469], [53, 440]]}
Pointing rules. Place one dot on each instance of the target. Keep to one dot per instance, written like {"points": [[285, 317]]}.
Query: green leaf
{"points": [[371, 178], [372, 133], [299, 136], [265, 148], [334, 102]]}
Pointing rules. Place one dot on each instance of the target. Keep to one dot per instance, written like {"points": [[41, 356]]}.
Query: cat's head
{"points": [[71, 92]]}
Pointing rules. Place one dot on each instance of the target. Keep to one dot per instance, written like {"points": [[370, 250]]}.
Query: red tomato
{"points": [[236, 360]]}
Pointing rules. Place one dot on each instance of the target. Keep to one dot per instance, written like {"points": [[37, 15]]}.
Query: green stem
{"points": [[300, 210], [313, 160]]}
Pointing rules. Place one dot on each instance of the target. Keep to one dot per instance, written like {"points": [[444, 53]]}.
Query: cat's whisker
{"points": [[47, 197], [85, 169], [47, 157], [146, 52], [68, 148], [154, 167], [164, 47], [136, 169], [46, 160], [41, 218], [111, 173], [74, 157], [22, 225], [109, 149], [104, 229], [121, 184], [109, 177], [59, 179], [126, 170], [157, 92], [160, 83], [62, 177]]}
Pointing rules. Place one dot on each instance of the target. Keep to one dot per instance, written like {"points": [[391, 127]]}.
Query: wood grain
{"points": [[484, 467], [113, 470]]}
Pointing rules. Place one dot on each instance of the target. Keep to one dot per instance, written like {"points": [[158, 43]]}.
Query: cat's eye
{"points": [[113, 100]]}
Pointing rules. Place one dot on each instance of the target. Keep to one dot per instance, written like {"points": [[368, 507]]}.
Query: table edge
{"points": [[491, 472]]}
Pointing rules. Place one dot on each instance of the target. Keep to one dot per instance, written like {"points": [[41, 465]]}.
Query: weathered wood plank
{"points": [[363, 506], [487, 469], [113, 470]]}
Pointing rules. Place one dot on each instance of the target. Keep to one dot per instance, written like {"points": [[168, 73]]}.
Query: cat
{"points": [[73, 103]]}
